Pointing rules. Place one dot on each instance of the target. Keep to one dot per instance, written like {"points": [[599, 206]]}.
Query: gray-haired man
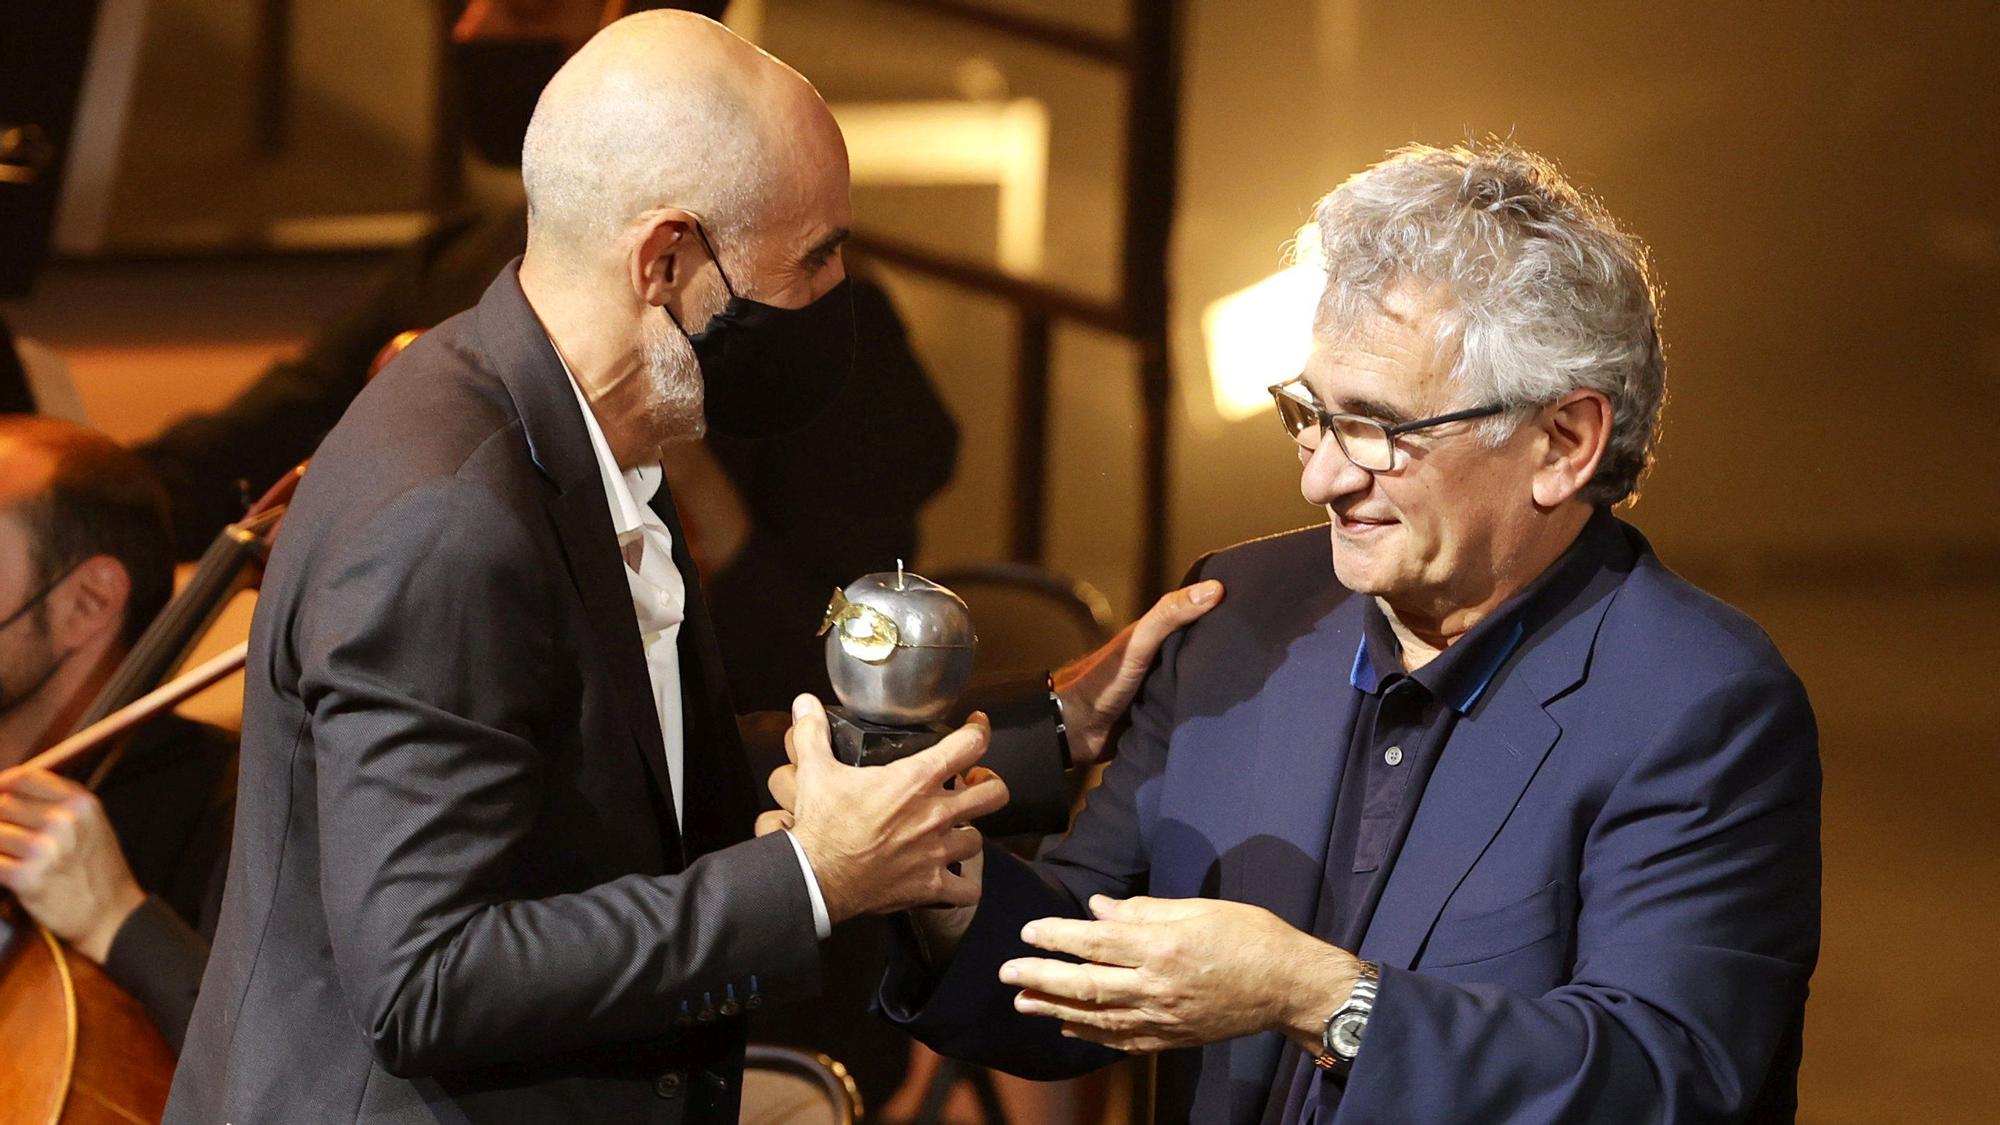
{"points": [[1499, 820]]}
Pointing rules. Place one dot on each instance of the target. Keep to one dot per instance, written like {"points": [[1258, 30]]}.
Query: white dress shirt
{"points": [[659, 599]]}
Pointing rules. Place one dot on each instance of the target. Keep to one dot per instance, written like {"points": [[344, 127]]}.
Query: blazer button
{"points": [[669, 1085]]}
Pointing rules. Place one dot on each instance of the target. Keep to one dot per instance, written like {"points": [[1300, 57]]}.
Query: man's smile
{"points": [[1353, 525]]}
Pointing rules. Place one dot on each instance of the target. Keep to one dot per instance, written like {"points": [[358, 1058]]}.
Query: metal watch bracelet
{"points": [[1340, 1035]]}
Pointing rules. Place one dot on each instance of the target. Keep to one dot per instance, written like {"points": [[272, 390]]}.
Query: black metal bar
{"points": [[1051, 300], [274, 76], [444, 174], [1152, 162], [1150, 57], [1027, 538], [1114, 50]]}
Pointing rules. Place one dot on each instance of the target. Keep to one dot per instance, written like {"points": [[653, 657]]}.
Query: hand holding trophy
{"points": [[890, 837]]}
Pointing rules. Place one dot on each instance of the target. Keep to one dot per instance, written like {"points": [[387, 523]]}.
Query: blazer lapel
{"points": [[583, 523], [1489, 760], [518, 351], [721, 795], [1492, 755], [1308, 717]]}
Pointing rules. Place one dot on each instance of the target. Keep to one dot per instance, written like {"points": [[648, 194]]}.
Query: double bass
{"points": [[78, 1049]]}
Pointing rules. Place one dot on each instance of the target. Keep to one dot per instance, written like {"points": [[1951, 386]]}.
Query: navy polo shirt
{"points": [[1402, 723]]}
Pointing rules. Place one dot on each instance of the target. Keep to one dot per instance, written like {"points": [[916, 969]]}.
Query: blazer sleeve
{"points": [[1697, 930], [425, 655], [963, 1010]]}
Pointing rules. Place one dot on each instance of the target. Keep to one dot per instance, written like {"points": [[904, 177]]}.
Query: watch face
{"points": [[1345, 1034]]}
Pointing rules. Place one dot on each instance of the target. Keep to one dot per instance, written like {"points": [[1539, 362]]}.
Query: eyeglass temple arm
{"points": [[1402, 428]]}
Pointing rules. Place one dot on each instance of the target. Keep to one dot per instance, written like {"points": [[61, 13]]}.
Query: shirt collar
{"points": [[628, 492], [1461, 674]]}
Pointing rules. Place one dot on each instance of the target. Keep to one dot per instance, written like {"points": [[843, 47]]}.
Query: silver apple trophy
{"points": [[899, 650]]}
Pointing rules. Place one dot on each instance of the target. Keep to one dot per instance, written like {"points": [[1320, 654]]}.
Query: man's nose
{"points": [[1326, 475]]}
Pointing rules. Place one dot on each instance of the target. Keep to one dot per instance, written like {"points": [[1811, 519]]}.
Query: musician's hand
{"points": [[60, 857], [1097, 689]]}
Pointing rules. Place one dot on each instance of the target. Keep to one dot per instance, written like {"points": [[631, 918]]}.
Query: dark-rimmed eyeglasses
{"points": [[38, 597], [1368, 442]]}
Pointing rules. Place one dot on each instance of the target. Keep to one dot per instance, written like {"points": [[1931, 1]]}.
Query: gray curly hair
{"points": [[1542, 292]]}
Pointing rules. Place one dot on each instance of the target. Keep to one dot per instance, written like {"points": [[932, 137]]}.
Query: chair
{"points": [[1028, 619], [785, 1086]]}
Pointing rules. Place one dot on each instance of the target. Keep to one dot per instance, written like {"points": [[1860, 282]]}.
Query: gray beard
{"points": [[673, 384]]}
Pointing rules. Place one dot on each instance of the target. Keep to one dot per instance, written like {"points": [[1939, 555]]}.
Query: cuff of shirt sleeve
{"points": [[157, 958], [822, 922]]}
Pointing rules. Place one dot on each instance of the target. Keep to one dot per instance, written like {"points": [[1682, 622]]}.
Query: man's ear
{"points": [[664, 257], [91, 604], [1574, 433]]}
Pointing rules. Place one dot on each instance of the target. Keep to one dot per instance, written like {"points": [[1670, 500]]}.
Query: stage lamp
{"points": [[1260, 335]]}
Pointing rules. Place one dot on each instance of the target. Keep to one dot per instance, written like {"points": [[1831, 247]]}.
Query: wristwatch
{"points": [[1340, 1035], [1062, 723]]}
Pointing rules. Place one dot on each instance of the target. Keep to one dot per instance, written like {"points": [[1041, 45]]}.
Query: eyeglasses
{"points": [[39, 596], [1368, 442]]}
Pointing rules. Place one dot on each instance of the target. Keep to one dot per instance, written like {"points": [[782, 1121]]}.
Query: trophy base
{"points": [[858, 742]]}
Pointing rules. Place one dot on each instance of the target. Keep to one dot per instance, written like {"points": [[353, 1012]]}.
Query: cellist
{"points": [[130, 875]]}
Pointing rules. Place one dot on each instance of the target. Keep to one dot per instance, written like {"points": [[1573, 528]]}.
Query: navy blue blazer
{"points": [[1607, 906]]}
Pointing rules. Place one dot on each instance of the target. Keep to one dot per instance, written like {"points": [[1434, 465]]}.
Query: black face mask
{"points": [[767, 371], [499, 82]]}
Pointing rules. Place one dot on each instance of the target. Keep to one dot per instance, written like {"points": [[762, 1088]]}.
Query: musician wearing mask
{"points": [[129, 875]]}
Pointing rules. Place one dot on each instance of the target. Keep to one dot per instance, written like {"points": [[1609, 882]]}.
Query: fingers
{"points": [[956, 890], [962, 843], [39, 785], [784, 785], [776, 820], [19, 843], [1140, 908], [28, 812], [1132, 1043], [1094, 985], [1107, 943], [1171, 612], [807, 743], [954, 755], [974, 801]]}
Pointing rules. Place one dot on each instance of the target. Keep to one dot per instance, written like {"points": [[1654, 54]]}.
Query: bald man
{"points": [[494, 857]]}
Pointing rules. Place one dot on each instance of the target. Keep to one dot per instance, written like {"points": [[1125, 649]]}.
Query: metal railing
{"points": [[1148, 56]]}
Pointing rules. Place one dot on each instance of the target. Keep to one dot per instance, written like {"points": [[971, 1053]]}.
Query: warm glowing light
{"points": [[1002, 143], [1259, 336]]}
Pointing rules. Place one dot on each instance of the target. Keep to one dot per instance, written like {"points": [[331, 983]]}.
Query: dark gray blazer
{"points": [[457, 891]]}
